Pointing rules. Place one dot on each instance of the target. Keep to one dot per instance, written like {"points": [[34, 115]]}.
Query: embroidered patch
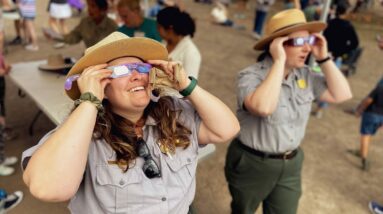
{"points": [[301, 83]]}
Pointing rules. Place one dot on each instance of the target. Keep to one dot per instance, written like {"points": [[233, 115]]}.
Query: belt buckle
{"points": [[286, 154]]}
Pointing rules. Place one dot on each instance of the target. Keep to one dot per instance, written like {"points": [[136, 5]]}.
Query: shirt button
{"points": [[189, 160], [122, 182], [163, 199]]}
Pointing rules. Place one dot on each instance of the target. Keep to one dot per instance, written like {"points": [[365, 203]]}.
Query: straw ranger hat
{"points": [[114, 46], [286, 22], [55, 62]]}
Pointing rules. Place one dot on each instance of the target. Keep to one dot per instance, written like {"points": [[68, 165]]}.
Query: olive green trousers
{"points": [[253, 179]]}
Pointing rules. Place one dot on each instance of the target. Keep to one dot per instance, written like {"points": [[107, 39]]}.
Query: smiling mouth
{"points": [[135, 89]]}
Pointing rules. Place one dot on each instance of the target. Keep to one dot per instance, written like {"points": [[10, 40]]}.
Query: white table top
{"points": [[46, 89]]}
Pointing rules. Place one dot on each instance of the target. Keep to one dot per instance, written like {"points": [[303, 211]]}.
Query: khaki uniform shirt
{"points": [[106, 189], [90, 32], [284, 129]]}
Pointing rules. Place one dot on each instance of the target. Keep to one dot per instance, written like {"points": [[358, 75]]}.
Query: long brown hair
{"points": [[119, 132]]}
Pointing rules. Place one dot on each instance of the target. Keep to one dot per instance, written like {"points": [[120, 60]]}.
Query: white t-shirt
{"points": [[188, 54]]}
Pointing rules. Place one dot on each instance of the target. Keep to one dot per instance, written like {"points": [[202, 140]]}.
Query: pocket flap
{"points": [[177, 163], [113, 175], [303, 98]]}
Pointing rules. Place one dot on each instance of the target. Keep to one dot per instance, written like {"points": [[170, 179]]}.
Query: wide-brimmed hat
{"points": [[114, 46], [286, 22], [55, 62]]}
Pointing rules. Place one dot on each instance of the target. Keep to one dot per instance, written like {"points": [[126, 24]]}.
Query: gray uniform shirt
{"points": [[284, 129], [106, 189]]}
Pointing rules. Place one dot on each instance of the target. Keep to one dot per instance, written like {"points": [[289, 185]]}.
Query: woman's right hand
{"points": [[276, 49], [94, 79]]}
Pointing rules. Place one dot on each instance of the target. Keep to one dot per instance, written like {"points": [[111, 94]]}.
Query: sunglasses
{"points": [[150, 167], [118, 71], [300, 41]]}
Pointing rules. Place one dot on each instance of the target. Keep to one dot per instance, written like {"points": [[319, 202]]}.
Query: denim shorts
{"points": [[371, 122]]}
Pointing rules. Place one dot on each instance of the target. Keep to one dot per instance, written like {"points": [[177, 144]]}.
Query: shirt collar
{"points": [[150, 121]]}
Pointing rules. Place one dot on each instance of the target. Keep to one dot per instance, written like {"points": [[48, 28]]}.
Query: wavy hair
{"points": [[119, 132]]}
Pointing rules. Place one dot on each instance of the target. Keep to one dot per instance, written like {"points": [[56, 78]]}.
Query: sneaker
{"points": [[365, 165], [375, 208], [256, 36], [59, 45], [13, 200], [31, 47], [6, 170], [10, 160], [16, 41]]}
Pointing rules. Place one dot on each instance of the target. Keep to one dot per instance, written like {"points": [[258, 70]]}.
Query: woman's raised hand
{"points": [[319, 49], [94, 79], [174, 70], [276, 49]]}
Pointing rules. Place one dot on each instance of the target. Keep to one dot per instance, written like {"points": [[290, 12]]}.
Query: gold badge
{"points": [[301, 83]]}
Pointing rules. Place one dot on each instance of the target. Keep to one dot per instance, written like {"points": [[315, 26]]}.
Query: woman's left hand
{"points": [[170, 68], [319, 49]]}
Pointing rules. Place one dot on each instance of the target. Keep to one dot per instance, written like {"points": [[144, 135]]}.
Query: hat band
{"points": [[289, 26]]}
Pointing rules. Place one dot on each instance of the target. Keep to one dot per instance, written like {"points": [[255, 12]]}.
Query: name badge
{"points": [[301, 83]]}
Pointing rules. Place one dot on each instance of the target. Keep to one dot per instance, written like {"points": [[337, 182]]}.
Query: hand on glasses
{"points": [[319, 50], [172, 74], [276, 49]]}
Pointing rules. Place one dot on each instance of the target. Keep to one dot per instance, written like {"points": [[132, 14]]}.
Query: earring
{"points": [[155, 96]]}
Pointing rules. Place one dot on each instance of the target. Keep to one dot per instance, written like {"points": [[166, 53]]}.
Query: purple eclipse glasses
{"points": [[118, 71], [300, 41]]}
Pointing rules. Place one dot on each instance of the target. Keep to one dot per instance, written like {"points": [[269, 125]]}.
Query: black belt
{"points": [[285, 156]]}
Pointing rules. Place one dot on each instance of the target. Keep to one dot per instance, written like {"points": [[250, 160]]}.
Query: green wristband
{"points": [[188, 90], [88, 96]]}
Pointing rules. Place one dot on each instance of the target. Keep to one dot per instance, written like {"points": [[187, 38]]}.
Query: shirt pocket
{"points": [[304, 100], [119, 192], [281, 115], [183, 168]]}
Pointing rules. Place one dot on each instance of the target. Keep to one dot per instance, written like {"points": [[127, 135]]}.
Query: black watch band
{"points": [[323, 60]]}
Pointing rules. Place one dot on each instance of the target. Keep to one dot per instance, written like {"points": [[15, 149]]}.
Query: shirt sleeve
{"points": [[112, 25], [319, 84], [192, 62], [75, 35], [353, 38], [248, 81], [189, 117], [27, 154], [156, 35], [373, 93]]}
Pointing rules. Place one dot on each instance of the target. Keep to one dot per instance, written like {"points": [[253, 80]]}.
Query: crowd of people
{"points": [[138, 148]]}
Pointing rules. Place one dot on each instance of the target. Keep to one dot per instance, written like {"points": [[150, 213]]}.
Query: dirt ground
{"points": [[332, 179]]}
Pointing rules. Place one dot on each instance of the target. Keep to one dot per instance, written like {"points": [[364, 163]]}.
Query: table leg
{"points": [[33, 122]]}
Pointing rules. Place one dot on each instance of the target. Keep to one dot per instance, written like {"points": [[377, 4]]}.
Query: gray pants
{"points": [[253, 179]]}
